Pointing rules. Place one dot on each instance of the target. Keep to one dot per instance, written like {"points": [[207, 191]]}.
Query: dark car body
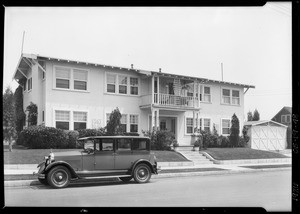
{"points": [[125, 157]]}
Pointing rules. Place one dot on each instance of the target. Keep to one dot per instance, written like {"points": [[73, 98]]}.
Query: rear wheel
{"points": [[125, 179], [59, 177], [142, 173]]}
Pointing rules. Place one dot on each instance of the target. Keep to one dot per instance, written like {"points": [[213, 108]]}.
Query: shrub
{"points": [[91, 132], [161, 139], [234, 131], [40, 137], [209, 140], [130, 134], [224, 141], [72, 137]]}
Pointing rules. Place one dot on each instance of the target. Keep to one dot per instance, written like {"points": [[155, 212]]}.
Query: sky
{"points": [[253, 43]]}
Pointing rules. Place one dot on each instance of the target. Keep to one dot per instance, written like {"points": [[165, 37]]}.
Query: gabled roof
{"points": [[256, 123], [140, 71], [285, 108]]}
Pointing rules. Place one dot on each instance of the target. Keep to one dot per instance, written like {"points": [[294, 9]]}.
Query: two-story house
{"points": [[76, 95]]}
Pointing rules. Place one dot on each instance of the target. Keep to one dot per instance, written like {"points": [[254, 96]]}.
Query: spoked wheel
{"points": [[59, 177], [43, 181], [142, 173], [125, 179]]}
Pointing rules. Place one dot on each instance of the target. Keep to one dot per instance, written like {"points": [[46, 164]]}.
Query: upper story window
{"points": [[80, 120], [62, 76], [62, 119], [231, 96], [69, 78], [111, 83], [122, 84], [134, 89], [29, 84], [286, 118], [80, 79], [205, 94], [225, 126]]}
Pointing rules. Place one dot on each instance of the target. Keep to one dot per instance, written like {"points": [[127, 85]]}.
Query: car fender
{"points": [[141, 161], [61, 163]]}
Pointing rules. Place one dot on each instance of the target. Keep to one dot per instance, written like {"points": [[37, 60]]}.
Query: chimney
{"points": [[159, 69], [131, 66]]}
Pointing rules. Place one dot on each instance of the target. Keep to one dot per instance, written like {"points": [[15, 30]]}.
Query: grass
{"points": [[241, 153], [21, 155], [267, 166]]}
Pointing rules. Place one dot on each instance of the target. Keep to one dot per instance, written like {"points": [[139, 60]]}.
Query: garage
{"points": [[266, 135]]}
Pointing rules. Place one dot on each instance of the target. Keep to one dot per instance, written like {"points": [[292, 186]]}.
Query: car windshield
{"points": [[88, 145]]}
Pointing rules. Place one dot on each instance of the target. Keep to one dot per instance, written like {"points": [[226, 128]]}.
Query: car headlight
{"points": [[51, 155]]}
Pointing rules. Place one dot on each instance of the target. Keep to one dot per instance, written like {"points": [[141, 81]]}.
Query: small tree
{"points": [[20, 114], [114, 122], [234, 131], [32, 114], [9, 131], [249, 116], [255, 115]]}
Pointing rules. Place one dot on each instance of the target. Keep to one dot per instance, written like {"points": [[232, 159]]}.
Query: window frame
{"points": [[188, 125], [203, 94], [69, 121], [137, 123], [71, 79], [285, 116], [231, 97], [29, 84], [221, 125], [205, 118], [73, 115], [80, 80]]}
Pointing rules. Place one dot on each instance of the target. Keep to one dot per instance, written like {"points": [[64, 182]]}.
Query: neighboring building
{"points": [[284, 116], [77, 95], [266, 135]]}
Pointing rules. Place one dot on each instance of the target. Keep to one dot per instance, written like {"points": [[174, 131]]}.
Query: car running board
{"points": [[105, 176]]}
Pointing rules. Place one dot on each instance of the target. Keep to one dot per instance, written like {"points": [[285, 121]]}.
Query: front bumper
{"points": [[156, 169], [40, 173]]}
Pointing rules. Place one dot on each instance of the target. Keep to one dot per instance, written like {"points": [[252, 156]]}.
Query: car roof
{"points": [[115, 137]]}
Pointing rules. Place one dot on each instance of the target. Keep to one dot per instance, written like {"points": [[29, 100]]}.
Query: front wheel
{"points": [[142, 173], [59, 177]]}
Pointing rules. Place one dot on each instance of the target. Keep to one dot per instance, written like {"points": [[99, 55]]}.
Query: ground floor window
{"points": [[206, 124], [225, 126], [62, 120], [80, 120], [189, 125], [134, 123], [123, 125]]}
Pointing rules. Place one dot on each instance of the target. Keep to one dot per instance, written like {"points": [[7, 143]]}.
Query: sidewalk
{"points": [[167, 170]]}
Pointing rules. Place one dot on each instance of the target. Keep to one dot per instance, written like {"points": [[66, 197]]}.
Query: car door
{"points": [[123, 156], [104, 154]]}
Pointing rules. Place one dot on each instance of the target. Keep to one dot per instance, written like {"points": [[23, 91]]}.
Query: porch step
{"points": [[184, 148], [197, 158]]}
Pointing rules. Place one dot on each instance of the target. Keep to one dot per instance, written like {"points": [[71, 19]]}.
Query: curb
{"points": [[22, 183]]}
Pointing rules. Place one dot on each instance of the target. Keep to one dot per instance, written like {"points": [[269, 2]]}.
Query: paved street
{"points": [[271, 190]]}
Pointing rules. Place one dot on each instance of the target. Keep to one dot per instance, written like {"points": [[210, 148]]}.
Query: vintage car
{"points": [[124, 157]]}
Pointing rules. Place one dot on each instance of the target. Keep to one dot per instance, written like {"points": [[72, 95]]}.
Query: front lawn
{"points": [[241, 153], [35, 156]]}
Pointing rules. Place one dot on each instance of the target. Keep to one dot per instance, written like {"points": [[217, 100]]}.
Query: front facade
{"points": [[77, 95]]}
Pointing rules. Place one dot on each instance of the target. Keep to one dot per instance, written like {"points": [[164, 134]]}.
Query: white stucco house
{"points": [[74, 95]]}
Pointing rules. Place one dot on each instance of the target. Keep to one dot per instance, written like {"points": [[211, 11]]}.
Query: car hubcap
{"points": [[142, 174], [60, 177]]}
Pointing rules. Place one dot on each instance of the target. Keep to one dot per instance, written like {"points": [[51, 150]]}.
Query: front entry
{"points": [[166, 123]]}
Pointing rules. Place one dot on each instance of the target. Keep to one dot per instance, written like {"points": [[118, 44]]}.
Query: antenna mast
{"points": [[222, 69], [22, 42]]}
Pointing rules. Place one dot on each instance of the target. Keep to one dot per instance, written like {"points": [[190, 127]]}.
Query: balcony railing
{"points": [[174, 100]]}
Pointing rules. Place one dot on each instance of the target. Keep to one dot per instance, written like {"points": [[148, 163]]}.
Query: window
{"points": [[107, 117], [111, 83], [124, 123], [80, 79], [140, 144], [29, 85], [225, 126], [134, 90], [62, 119], [80, 120], [285, 118], [43, 114], [106, 145], [206, 125], [124, 144], [206, 96], [122, 84], [226, 96], [235, 97], [163, 125], [44, 75], [134, 123], [24, 85], [62, 77], [189, 125]]}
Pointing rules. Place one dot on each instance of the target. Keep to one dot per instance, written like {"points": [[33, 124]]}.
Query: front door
{"points": [[104, 154]]}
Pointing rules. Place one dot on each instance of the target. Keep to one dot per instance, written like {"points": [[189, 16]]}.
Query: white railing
{"points": [[174, 100]]}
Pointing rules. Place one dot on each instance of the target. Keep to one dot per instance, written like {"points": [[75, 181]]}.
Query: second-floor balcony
{"points": [[169, 100]]}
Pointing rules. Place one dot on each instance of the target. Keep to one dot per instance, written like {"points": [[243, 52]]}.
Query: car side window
{"points": [[124, 144], [107, 145], [140, 144]]}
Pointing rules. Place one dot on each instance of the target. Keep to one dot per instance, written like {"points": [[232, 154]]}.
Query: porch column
{"points": [[198, 95], [194, 94], [152, 94], [154, 119], [158, 97], [157, 119], [194, 122], [197, 118]]}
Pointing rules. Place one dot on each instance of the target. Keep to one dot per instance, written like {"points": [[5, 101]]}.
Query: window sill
{"points": [[228, 104], [206, 102], [71, 90], [127, 95]]}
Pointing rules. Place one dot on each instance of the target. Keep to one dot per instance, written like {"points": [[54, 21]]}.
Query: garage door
{"points": [[268, 137]]}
